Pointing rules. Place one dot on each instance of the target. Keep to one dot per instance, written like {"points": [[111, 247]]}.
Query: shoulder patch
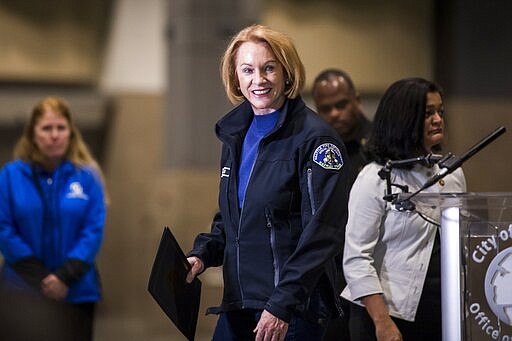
{"points": [[328, 156]]}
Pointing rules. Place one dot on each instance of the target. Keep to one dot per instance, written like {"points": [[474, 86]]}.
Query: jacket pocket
{"points": [[311, 192], [273, 244]]}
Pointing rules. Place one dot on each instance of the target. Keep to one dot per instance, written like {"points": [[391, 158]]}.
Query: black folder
{"points": [[177, 298]]}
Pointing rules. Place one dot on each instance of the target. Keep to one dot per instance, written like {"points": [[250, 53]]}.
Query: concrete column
{"points": [[197, 34]]}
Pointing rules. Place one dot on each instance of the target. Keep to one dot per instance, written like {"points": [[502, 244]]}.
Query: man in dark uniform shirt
{"points": [[338, 102]]}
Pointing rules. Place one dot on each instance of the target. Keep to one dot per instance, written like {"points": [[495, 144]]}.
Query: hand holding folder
{"points": [[177, 298]]}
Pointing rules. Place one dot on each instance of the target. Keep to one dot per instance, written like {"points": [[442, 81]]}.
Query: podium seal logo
{"points": [[498, 283]]}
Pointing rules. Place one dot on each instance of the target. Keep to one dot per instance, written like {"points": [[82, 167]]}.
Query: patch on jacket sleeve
{"points": [[328, 156]]}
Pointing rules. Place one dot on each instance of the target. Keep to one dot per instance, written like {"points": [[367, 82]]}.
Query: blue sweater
{"points": [[261, 125]]}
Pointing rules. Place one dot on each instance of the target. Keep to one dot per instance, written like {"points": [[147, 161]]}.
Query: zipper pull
{"points": [[269, 220]]}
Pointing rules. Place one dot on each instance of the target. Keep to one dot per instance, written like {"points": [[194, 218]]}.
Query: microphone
{"points": [[430, 159], [448, 164], [452, 162], [385, 173]]}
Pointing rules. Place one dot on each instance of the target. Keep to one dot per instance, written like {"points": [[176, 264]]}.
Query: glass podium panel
{"points": [[476, 263]]}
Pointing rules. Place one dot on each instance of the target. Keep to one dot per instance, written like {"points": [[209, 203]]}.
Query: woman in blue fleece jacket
{"points": [[52, 214]]}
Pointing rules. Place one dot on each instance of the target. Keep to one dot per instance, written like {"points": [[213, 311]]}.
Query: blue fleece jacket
{"points": [[54, 217]]}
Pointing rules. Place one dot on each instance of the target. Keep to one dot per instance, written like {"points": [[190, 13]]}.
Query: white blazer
{"points": [[388, 251]]}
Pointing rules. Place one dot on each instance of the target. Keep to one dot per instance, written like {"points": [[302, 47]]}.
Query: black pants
{"points": [[27, 315], [337, 329]]}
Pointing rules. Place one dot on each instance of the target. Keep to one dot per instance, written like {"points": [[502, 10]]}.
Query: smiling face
{"points": [[51, 136], [433, 130], [260, 77]]}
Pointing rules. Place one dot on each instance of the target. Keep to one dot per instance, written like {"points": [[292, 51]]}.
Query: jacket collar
{"points": [[238, 120], [64, 167]]}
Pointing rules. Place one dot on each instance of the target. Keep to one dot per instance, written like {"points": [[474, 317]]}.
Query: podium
{"points": [[476, 263]]}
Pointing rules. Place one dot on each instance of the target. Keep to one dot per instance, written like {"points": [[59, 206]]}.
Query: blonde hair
{"points": [[283, 48], [78, 152]]}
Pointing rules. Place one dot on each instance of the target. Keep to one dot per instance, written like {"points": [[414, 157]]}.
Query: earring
{"points": [[287, 82]]}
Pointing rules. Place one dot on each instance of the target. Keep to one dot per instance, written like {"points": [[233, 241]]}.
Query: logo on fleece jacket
{"points": [[328, 156], [76, 191]]}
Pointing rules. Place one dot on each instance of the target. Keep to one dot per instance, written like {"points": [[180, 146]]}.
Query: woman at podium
{"points": [[392, 255]]}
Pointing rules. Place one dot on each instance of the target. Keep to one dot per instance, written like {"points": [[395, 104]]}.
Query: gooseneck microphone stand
{"points": [[385, 174], [447, 165]]}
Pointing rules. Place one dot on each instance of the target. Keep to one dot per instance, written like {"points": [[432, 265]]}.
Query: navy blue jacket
{"points": [[277, 251]]}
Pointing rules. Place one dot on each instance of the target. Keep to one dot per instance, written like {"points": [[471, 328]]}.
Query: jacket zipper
{"points": [[273, 247], [310, 191], [237, 242], [240, 226]]}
